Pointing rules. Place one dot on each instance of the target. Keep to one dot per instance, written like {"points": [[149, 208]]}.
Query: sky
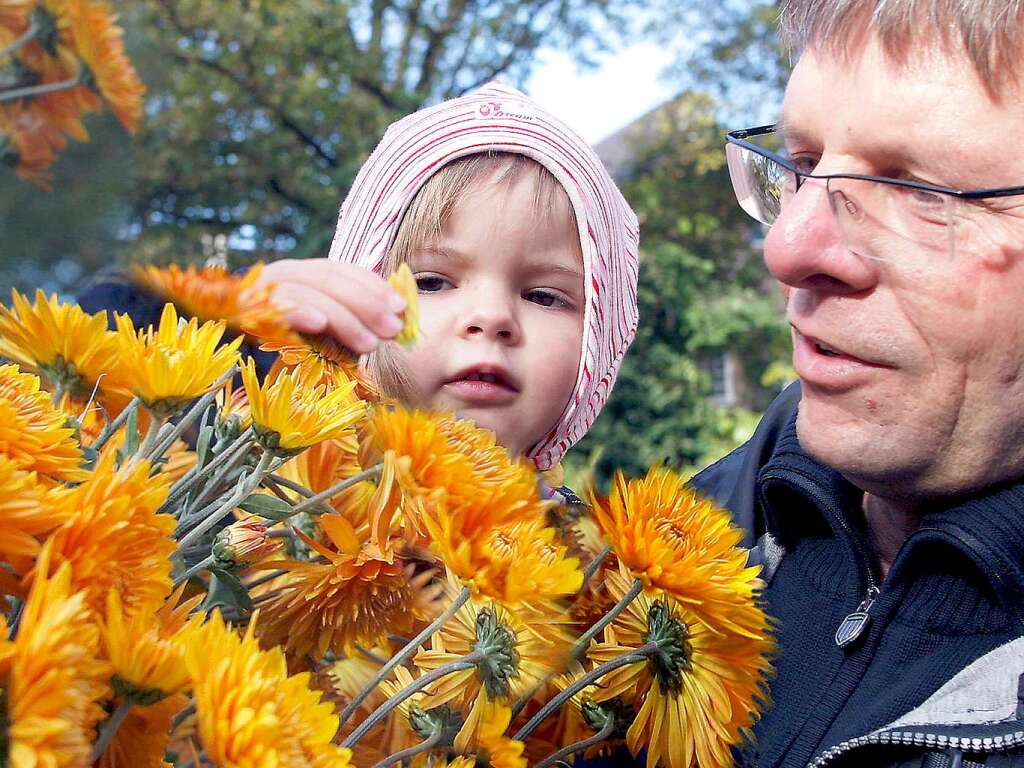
{"points": [[597, 102]]}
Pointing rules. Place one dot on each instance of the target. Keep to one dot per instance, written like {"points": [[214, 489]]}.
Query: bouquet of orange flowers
{"points": [[200, 566], [59, 59]]}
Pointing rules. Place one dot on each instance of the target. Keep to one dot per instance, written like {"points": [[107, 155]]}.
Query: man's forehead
{"points": [[930, 108]]}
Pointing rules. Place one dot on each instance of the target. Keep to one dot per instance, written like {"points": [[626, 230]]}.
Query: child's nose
{"points": [[493, 319]]}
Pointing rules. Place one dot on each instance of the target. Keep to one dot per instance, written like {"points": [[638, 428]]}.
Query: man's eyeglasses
{"points": [[879, 218]]}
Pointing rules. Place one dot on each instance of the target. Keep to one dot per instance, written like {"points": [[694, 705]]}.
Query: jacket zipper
{"points": [[922, 739], [854, 624]]}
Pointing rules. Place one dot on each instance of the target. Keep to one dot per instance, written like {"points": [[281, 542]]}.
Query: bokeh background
{"points": [[259, 113]]}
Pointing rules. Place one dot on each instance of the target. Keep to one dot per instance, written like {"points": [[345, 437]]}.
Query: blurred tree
{"points": [[273, 105], [703, 291]]}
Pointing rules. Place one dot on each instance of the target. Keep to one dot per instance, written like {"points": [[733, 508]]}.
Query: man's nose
{"points": [[805, 247]]}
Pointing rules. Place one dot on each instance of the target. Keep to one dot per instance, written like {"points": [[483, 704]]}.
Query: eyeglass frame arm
{"points": [[739, 137]]}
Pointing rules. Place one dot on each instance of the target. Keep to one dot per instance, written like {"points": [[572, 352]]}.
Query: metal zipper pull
{"points": [[854, 625]]}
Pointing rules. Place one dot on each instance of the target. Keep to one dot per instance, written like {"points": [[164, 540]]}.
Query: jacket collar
{"points": [[987, 527]]}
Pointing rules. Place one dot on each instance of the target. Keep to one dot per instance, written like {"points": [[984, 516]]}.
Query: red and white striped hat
{"points": [[497, 118]]}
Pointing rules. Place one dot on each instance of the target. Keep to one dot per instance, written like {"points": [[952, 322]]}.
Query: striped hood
{"points": [[498, 118]]}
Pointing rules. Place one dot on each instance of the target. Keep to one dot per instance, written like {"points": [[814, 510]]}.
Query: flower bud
{"points": [[243, 543]]}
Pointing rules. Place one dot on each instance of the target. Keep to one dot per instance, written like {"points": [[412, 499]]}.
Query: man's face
{"points": [[926, 395]]}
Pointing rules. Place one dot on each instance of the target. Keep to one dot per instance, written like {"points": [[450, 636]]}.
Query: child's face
{"points": [[501, 313]]}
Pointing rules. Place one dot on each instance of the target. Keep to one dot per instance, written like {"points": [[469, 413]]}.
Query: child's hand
{"points": [[348, 302]]}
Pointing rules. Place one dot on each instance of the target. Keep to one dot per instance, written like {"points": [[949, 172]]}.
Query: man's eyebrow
{"points": [[788, 131]]}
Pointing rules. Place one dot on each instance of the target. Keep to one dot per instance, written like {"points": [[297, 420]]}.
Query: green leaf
{"points": [[203, 445], [227, 590], [269, 507], [131, 435]]}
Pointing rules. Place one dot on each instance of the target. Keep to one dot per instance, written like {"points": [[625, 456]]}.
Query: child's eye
{"points": [[428, 283], [546, 298]]}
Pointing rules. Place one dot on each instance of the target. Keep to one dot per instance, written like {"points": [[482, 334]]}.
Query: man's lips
{"points": [[823, 363]]}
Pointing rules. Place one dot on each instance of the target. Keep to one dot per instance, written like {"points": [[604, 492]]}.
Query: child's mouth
{"points": [[489, 384]]}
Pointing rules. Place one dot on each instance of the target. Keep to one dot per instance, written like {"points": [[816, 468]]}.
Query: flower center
{"points": [[500, 664], [674, 653], [617, 713]]}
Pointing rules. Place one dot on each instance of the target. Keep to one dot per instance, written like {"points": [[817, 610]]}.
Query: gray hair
{"points": [[990, 31]]}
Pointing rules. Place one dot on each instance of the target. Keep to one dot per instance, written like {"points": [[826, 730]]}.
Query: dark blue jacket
{"points": [[935, 679]]}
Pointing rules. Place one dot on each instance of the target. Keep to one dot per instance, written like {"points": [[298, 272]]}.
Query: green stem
{"points": [[405, 653], [640, 654], [578, 746], [200, 566], [584, 639], [150, 439], [264, 579], [40, 90], [424, 746], [244, 489], [109, 727], [367, 474], [21, 41], [469, 661], [594, 565], [231, 454], [298, 488], [193, 413], [116, 424]]}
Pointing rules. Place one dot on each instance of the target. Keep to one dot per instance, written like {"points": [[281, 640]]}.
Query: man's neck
{"points": [[889, 523]]}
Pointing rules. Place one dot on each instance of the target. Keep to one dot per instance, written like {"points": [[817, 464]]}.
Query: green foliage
{"points": [[703, 290], [272, 106]]}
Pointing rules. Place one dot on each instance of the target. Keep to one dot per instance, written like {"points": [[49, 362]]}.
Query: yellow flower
{"points": [[404, 284], [493, 745], [458, 484], [146, 650], [28, 513], [141, 740], [52, 677], [523, 647], [174, 363], [213, 293], [107, 70], [326, 464], [114, 537], [67, 345], [290, 413], [700, 694], [32, 431], [250, 712], [359, 595], [679, 542], [322, 361]]}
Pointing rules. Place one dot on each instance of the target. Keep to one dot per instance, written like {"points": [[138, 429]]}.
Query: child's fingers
{"points": [[311, 311], [367, 296]]}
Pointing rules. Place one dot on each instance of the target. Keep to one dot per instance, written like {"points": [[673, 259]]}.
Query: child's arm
{"points": [[351, 303]]}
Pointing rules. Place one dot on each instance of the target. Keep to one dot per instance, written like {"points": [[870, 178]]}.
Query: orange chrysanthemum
{"points": [[32, 431], [358, 596], [213, 293], [97, 42], [674, 540], [146, 650], [170, 365], [701, 695], [25, 145], [70, 347], [250, 711], [524, 649], [290, 412], [29, 512], [326, 464], [497, 749], [52, 677], [142, 738], [322, 360], [14, 15], [115, 539]]}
